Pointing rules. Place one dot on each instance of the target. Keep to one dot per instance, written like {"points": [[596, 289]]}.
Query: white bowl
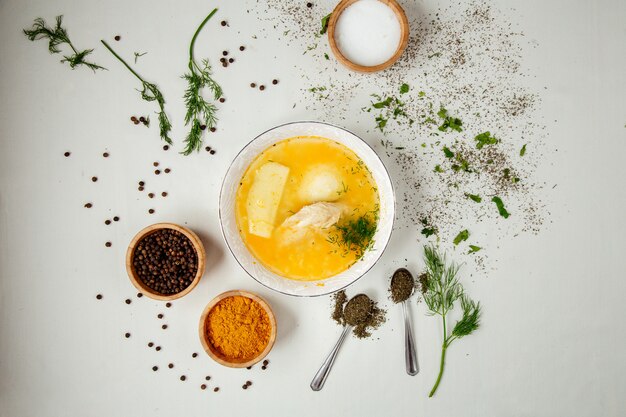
{"points": [[229, 223]]}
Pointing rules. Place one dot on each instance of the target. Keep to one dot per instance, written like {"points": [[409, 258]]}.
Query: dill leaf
{"points": [[56, 37], [441, 290], [199, 110], [149, 92]]}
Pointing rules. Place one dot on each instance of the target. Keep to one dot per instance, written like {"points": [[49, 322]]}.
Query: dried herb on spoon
{"points": [[198, 109], [57, 36], [441, 290], [150, 92]]}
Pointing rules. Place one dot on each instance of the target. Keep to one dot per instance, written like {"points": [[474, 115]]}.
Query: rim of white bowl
{"points": [[380, 253]]}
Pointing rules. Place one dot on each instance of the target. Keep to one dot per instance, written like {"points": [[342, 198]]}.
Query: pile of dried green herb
{"points": [[360, 311], [402, 285]]}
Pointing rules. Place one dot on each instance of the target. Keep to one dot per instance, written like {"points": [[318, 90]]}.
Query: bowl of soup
{"points": [[307, 208]]}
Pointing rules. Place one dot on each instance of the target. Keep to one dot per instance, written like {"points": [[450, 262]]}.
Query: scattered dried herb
{"points": [[325, 20], [404, 88], [453, 123], [461, 237], [522, 151], [485, 138], [474, 197], [501, 208], [474, 249]]}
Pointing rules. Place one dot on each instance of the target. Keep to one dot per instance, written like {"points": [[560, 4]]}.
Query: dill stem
{"points": [[195, 35], [123, 62], [444, 347]]}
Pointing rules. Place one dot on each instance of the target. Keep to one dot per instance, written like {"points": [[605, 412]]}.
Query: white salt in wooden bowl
{"points": [[404, 36]]}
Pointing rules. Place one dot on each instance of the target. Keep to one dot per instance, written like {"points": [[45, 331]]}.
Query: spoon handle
{"points": [[412, 368], [320, 377]]}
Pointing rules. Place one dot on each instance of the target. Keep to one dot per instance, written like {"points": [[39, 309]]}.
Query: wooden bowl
{"points": [[404, 36], [213, 353], [134, 278]]}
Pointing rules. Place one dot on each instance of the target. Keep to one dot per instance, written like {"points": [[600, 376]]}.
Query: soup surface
{"points": [[307, 208]]}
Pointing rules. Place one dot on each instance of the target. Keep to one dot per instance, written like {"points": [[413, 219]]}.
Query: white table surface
{"points": [[553, 333]]}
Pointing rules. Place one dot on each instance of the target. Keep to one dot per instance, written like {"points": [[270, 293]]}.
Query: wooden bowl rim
{"points": [[208, 347], [149, 292], [404, 36]]}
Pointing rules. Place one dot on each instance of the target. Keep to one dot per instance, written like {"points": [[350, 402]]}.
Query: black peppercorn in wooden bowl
{"points": [[165, 261]]}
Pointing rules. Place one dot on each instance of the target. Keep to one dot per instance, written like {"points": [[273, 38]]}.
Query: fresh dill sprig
{"points": [[150, 92], [198, 109], [57, 36], [441, 290], [356, 234]]}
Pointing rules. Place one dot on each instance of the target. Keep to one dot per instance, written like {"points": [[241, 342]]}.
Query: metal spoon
{"points": [[320, 377], [410, 357], [353, 307]]}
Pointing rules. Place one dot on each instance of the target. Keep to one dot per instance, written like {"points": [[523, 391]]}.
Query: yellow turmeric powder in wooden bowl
{"points": [[237, 329]]}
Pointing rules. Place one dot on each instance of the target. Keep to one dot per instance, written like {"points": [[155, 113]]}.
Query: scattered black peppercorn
{"points": [[133, 119], [66, 154], [194, 355], [99, 297], [222, 99], [208, 378], [139, 295], [252, 85], [248, 367], [164, 326], [164, 194], [155, 368], [212, 151], [213, 129], [261, 87], [168, 305], [151, 195], [183, 377], [231, 60], [151, 211], [127, 335], [106, 154], [167, 170], [116, 219], [128, 301], [156, 164], [264, 367], [309, 5], [108, 244], [223, 23], [157, 172], [165, 147], [107, 222], [274, 82], [141, 183], [225, 53], [158, 348], [150, 344], [242, 48], [225, 64], [140, 188], [202, 127], [203, 386], [117, 37], [88, 205], [142, 119], [159, 316], [94, 179], [216, 389], [266, 362], [248, 383], [171, 365], [244, 386]]}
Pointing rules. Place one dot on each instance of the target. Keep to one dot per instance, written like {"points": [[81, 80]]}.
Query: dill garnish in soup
{"points": [[307, 208]]}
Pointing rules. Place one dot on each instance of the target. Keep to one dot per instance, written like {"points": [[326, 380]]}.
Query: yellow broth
{"points": [[316, 255]]}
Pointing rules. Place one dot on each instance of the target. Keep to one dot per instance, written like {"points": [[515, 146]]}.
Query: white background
{"points": [[553, 334]]}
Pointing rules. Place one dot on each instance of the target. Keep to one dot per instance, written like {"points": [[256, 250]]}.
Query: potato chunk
{"points": [[264, 197]]}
